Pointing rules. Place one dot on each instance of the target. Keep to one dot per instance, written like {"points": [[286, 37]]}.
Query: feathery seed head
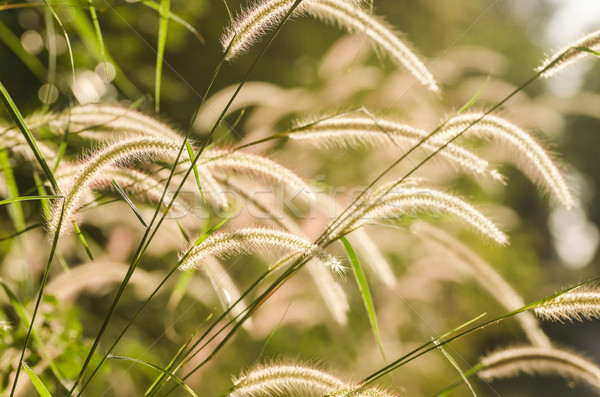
{"points": [[513, 361], [385, 204], [248, 240], [352, 131], [570, 54], [292, 378], [126, 150], [575, 304], [255, 21], [531, 158], [216, 160]]}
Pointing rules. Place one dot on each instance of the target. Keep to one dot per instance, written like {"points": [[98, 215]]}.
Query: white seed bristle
{"points": [[248, 240], [577, 304], [570, 54], [390, 202], [352, 131], [255, 21], [531, 158], [513, 361]]}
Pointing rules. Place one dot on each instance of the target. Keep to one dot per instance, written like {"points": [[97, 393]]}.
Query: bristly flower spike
{"points": [[264, 15], [513, 361], [295, 379], [576, 304], [256, 239], [570, 54], [530, 157]]}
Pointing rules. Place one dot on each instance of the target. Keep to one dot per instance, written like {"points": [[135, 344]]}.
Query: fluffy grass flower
{"points": [[356, 131], [576, 304], [295, 378], [529, 155], [570, 54], [255, 21], [252, 239], [390, 202], [510, 362]]}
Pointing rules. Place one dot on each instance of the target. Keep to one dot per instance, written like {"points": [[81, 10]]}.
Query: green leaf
{"points": [[18, 119], [175, 18], [192, 155], [31, 61], [16, 211], [129, 202], [28, 198], [213, 229], [24, 317], [455, 365], [98, 32], [86, 32], [163, 27], [363, 287], [88, 251], [39, 185], [37, 382], [475, 97], [156, 367], [585, 49]]}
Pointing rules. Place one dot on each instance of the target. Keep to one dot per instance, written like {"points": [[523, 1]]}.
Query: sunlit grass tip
{"points": [[247, 240], [359, 131], [530, 157], [297, 378], [390, 202], [572, 53], [121, 152], [576, 304], [256, 20]]}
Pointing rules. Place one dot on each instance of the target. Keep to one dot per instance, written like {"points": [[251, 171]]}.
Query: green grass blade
{"points": [[16, 210], [19, 232], [86, 32], [129, 202], [585, 49], [475, 97], [162, 370], [88, 251], [467, 374], [185, 235], [460, 371], [18, 119], [163, 27], [63, 145], [213, 229], [176, 18], [192, 155], [31, 61], [24, 317], [37, 382], [99, 37], [28, 198], [175, 359], [39, 185], [65, 34], [363, 286]]}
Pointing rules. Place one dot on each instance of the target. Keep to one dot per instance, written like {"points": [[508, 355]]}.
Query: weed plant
{"points": [[333, 238]]}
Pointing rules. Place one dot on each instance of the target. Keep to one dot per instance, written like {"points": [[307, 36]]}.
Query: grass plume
{"points": [[571, 54], [255, 21], [576, 304], [510, 362], [530, 157], [248, 240]]}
